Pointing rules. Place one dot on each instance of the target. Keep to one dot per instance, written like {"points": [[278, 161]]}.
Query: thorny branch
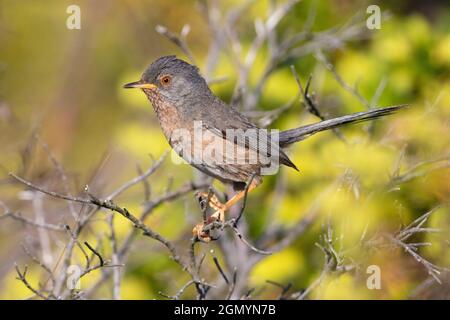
{"points": [[416, 227]]}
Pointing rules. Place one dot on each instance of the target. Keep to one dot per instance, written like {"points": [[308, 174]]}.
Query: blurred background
{"points": [[61, 90]]}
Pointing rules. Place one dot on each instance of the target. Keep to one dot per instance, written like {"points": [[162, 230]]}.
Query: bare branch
{"points": [[17, 216], [232, 285], [106, 265], [38, 262], [216, 262], [22, 277], [321, 57], [95, 252], [180, 41], [136, 180], [421, 169]]}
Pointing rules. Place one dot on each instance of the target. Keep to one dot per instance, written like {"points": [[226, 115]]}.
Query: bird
{"points": [[216, 138]]}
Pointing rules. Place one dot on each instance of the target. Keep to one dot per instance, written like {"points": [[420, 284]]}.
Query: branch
{"points": [[284, 288], [413, 228], [38, 262], [95, 252], [100, 266], [353, 91], [22, 277], [216, 262], [108, 204], [308, 100], [17, 216], [180, 41], [141, 177], [180, 292], [421, 169], [219, 225], [232, 286]]}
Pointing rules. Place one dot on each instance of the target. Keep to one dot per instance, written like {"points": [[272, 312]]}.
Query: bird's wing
{"points": [[229, 124]]}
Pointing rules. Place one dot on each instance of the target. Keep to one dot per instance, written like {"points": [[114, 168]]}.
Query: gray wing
{"points": [[231, 125]]}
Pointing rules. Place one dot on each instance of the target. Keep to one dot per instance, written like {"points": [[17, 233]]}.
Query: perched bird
{"points": [[215, 137]]}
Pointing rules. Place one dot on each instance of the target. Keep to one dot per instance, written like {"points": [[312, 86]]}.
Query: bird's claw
{"points": [[203, 234], [220, 208], [211, 233], [200, 234]]}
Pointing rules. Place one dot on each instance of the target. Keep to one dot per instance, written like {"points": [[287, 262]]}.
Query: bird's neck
{"points": [[188, 107]]}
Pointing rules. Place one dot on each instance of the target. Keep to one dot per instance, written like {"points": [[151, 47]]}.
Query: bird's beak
{"points": [[141, 84]]}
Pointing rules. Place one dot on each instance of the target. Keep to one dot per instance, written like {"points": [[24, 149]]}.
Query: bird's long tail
{"points": [[293, 135]]}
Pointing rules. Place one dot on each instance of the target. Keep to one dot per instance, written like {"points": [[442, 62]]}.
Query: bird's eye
{"points": [[165, 80]]}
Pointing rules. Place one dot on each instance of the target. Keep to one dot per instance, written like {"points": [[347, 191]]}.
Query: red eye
{"points": [[165, 80]]}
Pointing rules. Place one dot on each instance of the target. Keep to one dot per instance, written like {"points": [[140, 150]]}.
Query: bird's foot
{"points": [[207, 231], [200, 234]]}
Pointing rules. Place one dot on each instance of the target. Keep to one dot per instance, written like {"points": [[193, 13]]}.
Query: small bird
{"points": [[203, 129]]}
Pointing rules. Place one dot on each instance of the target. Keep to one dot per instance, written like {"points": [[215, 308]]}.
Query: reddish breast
{"points": [[166, 113]]}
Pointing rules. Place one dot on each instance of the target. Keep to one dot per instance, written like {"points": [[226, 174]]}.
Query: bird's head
{"points": [[171, 80]]}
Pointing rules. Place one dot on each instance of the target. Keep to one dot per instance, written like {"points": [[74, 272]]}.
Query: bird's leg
{"points": [[206, 199], [219, 214], [211, 198], [238, 196], [220, 210], [220, 207]]}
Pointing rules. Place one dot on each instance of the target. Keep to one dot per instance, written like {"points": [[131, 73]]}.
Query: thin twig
{"points": [[22, 277], [17, 216], [216, 262], [232, 285], [176, 40], [321, 57], [99, 256], [284, 288], [141, 177], [99, 266], [38, 262]]}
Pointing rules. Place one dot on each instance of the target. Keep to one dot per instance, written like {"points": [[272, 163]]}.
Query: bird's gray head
{"points": [[172, 80]]}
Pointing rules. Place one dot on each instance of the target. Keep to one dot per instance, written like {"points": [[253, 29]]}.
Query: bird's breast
{"points": [[167, 114]]}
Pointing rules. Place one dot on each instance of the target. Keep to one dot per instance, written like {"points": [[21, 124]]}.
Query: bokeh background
{"points": [[65, 85]]}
